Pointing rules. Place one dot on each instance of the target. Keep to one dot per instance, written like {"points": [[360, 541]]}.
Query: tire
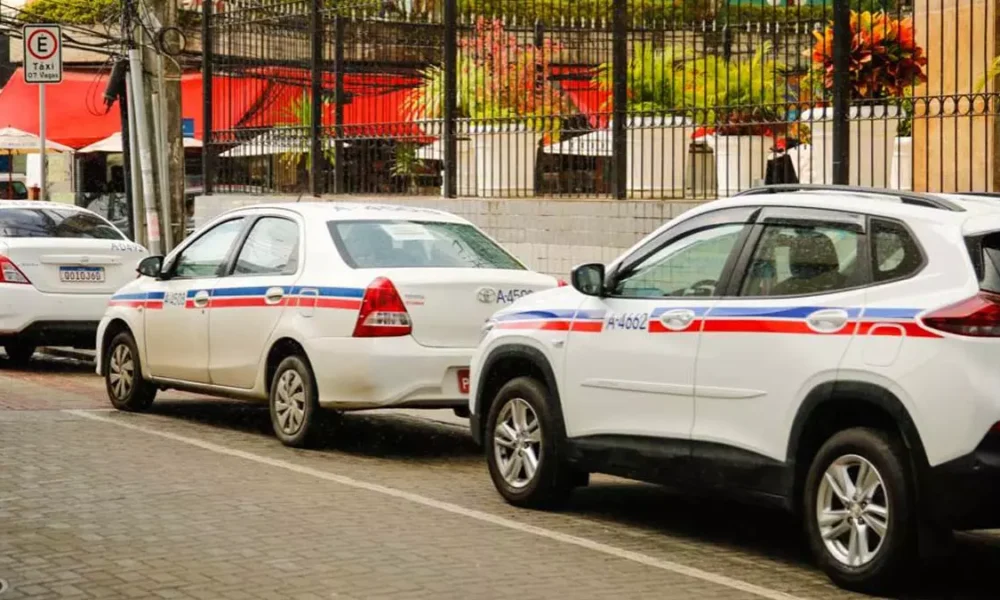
{"points": [[127, 389], [535, 435], [19, 352], [294, 403], [889, 507]]}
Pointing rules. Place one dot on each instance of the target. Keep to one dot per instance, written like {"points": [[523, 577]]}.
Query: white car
{"points": [[59, 265], [833, 352], [309, 306]]}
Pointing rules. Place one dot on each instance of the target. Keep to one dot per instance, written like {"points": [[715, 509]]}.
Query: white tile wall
{"points": [[551, 236]]}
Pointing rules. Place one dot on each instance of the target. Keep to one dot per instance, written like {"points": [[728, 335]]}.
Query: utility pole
{"points": [[165, 83]]}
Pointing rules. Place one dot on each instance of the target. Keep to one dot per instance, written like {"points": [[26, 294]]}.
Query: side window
{"points": [[895, 253], [206, 254], [793, 261], [690, 266], [272, 248]]}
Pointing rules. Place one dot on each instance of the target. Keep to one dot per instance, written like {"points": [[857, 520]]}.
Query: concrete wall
{"points": [[551, 236]]}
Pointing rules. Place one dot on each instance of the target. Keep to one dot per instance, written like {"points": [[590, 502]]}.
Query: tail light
{"points": [[382, 313], [996, 428], [978, 316], [562, 283], [9, 273]]}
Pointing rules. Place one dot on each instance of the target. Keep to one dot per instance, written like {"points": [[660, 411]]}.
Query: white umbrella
{"points": [[14, 141], [272, 142], [113, 145]]}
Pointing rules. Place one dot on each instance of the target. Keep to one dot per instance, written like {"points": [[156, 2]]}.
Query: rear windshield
{"points": [[52, 222], [13, 190], [415, 244]]}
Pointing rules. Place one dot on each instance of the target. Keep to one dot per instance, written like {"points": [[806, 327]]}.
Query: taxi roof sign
{"points": [[42, 53]]}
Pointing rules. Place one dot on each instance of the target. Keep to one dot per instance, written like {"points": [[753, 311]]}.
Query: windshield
{"points": [[50, 222], [416, 244]]}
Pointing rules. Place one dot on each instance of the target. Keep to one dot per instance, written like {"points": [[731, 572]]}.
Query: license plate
{"points": [[81, 274], [463, 381]]}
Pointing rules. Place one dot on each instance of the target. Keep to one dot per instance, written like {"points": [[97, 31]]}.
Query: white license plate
{"points": [[81, 274]]}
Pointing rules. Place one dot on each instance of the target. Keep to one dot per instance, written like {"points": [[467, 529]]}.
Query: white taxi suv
{"points": [[309, 306], [829, 350], [59, 265]]}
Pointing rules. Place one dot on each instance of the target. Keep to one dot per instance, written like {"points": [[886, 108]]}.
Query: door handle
{"points": [[201, 298], [829, 320], [274, 295], [678, 319]]}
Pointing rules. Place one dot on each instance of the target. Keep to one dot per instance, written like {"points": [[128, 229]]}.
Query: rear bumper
{"points": [[26, 311], [359, 373], [964, 493]]}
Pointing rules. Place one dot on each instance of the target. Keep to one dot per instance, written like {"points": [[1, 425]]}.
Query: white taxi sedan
{"points": [[59, 265], [309, 306]]}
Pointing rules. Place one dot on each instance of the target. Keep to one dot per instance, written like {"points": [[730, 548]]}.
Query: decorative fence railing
{"points": [[617, 98]]}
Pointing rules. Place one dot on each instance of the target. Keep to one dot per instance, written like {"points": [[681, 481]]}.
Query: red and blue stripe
{"points": [[252, 297], [150, 300], [591, 321]]}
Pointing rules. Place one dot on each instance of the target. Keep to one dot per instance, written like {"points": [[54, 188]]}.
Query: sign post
{"points": [[42, 65]]}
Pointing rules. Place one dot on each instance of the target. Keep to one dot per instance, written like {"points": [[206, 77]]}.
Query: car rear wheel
{"points": [[294, 403], [858, 510], [523, 451], [19, 352], [127, 389]]}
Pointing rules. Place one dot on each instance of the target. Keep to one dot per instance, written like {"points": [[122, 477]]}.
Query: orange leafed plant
{"points": [[885, 59]]}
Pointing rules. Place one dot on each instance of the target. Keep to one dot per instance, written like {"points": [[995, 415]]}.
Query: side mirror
{"points": [[151, 266], [589, 279]]}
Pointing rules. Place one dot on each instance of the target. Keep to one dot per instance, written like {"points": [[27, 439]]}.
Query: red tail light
{"points": [[978, 316], [383, 313], [9, 273], [562, 283], [996, 428]]}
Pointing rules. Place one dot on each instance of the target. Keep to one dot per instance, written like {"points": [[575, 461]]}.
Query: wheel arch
{"points": [[505, 363], [280, 349], [116, 326], [837, 405]]}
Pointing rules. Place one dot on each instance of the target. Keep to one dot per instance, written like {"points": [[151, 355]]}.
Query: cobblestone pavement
{"points": [[196, 499]]}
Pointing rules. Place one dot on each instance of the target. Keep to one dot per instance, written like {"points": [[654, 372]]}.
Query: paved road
{"points": [[197, 500]]}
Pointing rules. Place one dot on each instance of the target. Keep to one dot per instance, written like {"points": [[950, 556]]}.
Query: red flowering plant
{"points": [[499, 80], [885, 59]]}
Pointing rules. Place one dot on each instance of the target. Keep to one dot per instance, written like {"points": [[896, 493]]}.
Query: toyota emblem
{"points": [[487, 295]]}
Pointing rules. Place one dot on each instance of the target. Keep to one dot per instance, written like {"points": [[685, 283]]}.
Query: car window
{"points": [[792, 261], [690, 266], [272, 248], [13, 190], [414, 244], [50, 222], [895, 254], [206, 254]]}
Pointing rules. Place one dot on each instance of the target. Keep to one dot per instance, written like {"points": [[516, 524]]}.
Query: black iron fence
{"points": [[616, 98]]}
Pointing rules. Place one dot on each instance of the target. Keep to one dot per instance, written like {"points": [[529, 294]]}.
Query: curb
{"points": [[84, 355]]}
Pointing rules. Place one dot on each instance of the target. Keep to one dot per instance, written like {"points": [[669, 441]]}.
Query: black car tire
{"points": [[294, 403], [127, 389]]}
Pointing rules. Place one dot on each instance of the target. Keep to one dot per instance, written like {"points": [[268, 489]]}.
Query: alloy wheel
{"points": [[852, 510], [517, 443]]}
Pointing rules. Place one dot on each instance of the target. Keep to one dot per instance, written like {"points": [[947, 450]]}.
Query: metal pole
{"points": [[339, 162], [163, 154], [206, 97], [316, 95], [43, 170], [450, 97], [138, 224], [126, 157], [619, 96], [841, 92], [145, 151]]}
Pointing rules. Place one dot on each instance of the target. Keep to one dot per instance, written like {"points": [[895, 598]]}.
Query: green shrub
{"points": [[71, 12]]}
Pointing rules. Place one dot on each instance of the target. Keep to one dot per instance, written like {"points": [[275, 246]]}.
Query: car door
{"points": [[177, 334], [785, 326], [248, 301], [634, 375]]}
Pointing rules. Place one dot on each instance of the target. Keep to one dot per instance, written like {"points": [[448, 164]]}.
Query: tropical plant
{"points": [[498, 78], [992, 73], [406, 165], [737, 97], [298, 118], [653, 77], [885, 59]]}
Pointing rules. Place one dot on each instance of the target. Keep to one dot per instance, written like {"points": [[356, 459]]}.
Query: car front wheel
{"points": [[858, 510], [294, 403], [127, 389], [523, 449], [19, 352]]}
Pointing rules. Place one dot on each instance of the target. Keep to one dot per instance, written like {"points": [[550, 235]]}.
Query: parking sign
{"points": [[42, 54]]}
